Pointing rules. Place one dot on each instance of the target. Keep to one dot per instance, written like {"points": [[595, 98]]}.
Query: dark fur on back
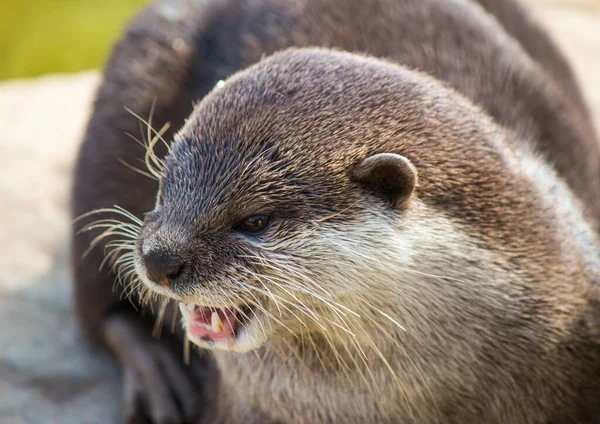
{"points": [[174, 52]]}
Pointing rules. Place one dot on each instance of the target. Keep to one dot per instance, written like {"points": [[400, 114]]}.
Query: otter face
{"points": [[289, 211], [243, 244], [247, 222]]}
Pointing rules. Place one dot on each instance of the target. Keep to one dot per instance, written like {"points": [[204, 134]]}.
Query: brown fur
{"points": [[502, 337]]}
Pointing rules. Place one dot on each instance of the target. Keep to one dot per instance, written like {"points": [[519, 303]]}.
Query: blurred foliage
{"points": [[42, 36]]}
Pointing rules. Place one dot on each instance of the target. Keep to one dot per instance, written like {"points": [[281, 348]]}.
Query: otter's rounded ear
{"points": [[388, 174]]}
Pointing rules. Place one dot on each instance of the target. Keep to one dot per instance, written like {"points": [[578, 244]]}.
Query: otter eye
{"points": [[254, 225]]}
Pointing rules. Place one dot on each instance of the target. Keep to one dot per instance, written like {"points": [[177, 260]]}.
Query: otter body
{"points": [[402, 232]]}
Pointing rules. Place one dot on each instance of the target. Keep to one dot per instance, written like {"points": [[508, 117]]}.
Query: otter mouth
{"points": [[216, 325]]}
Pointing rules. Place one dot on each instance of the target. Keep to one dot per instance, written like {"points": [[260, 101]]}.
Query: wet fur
{"points": [[494, 300]]}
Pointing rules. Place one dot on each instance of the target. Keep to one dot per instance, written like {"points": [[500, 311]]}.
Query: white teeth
{"points": [[215, 321], [191, 306]]}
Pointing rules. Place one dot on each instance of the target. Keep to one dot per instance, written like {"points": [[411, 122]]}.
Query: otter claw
{"points": [[158, 387]]}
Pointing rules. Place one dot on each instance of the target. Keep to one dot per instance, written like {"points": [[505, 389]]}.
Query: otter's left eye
{"points": [[254, 225]]}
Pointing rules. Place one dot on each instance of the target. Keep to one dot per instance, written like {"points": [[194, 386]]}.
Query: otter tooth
{"points": [[217, 324]]}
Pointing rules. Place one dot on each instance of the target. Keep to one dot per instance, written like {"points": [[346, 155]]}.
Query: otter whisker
{"points": [[138, 170], [116, 209], [126, 213], [158, 324], [271, 316], [123, 272], [241, 312], [119, 256], [118, 262], [126, 276], [118, 251], [127, 292], [372, 259], [280, 266], [295, 353], [301, 289], [123, 244], [234, 300], [345, 329], [270, 294], [405, 353], [109, 232], [111, 223], [316, 350], [372, 384], [303, 309], [391, 370], [327, 218], [330, 303], [186, 349], [330, 341], [258, 304], [150, 129], [344, 366], [260, 276], [116, 247], [390, 318], [153, 163]]}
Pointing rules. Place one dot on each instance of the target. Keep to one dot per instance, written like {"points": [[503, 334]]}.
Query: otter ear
{"points": [[388, 174]]}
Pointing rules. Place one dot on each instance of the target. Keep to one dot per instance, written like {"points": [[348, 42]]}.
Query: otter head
{"points": [[289, 204]]}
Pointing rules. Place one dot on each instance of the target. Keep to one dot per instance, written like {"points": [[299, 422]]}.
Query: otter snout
{"points": [[181, 258], [162, 267]]}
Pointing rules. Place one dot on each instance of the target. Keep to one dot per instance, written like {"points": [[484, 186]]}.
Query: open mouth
{"points": [[211, 324]]}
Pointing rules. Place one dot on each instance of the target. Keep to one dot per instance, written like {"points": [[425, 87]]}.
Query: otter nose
{"points": [[163, 268]]}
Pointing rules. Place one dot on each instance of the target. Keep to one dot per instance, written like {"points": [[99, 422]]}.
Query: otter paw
{"points": [[158, 387]]}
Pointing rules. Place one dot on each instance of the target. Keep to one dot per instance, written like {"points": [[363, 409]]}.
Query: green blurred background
{"points": [[45, 36]]}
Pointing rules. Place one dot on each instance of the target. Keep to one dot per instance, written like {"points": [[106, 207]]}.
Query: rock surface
{"points": [[47, 374]]}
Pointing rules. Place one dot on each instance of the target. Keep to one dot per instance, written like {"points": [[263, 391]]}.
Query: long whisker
{"points": [[138, 170], [403, 350], [153, 163], [157, 330], [335, 305], [115, 209], [271, 316], [281, 266], [157, 134], [372, 259]]}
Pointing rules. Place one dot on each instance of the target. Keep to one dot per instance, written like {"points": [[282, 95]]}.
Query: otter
{"points": [[376, 211]]}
